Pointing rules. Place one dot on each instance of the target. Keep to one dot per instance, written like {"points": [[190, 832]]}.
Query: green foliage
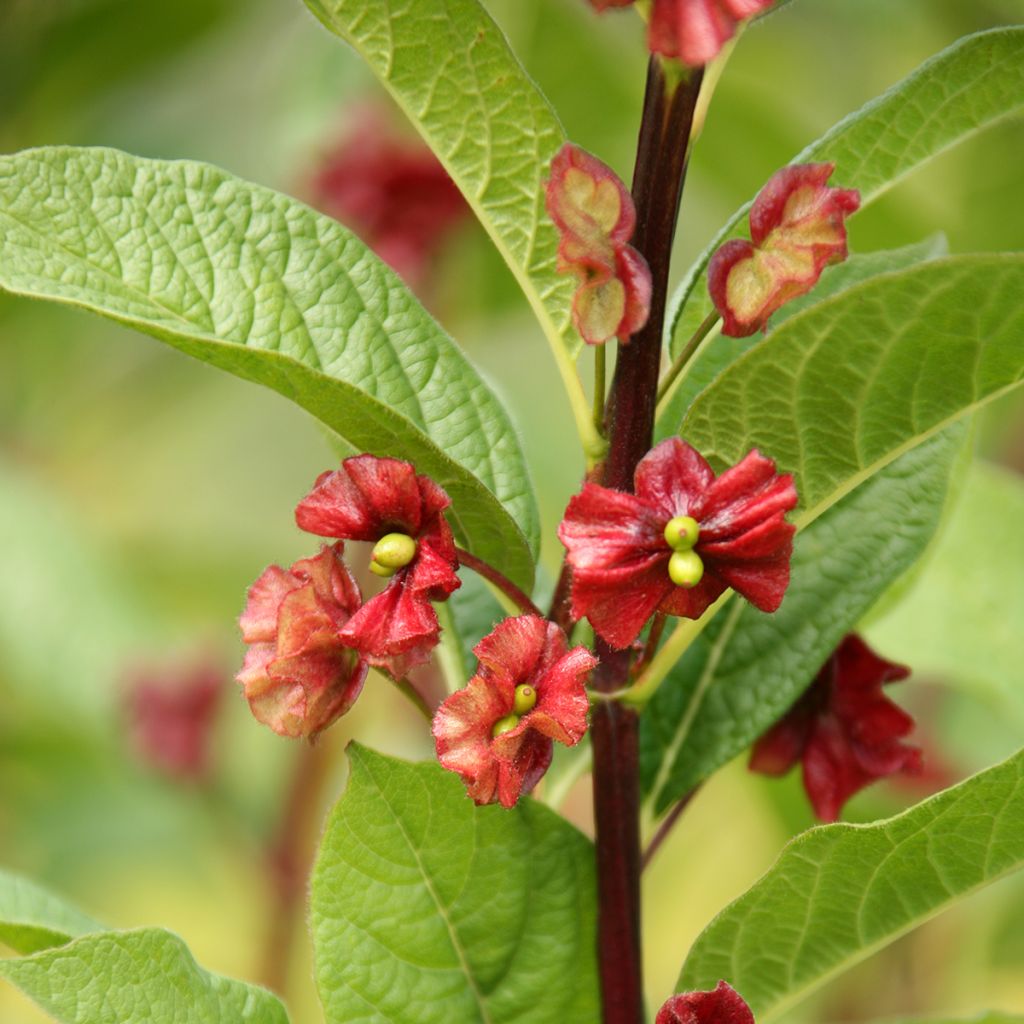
{"points": [[839, 391], [975, 83], [82, 974], [258, 284], [428, 909], [839, 893], [961, 620], [747, 668]]}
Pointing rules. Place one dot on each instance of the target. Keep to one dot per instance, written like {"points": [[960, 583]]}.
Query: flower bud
{"points": [[682, 532], [504, 725], [685, 569], [525, 699], [394, 550]]}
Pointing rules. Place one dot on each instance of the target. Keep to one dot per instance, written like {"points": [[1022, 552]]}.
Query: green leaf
{"points": [[146, 976], [32, 919], [257, 284], [961, 619], [839, 391], [427, 909], [839, 893], [720, 351], [747, 668], [975, 83], [988, 1017], [451, 70]]}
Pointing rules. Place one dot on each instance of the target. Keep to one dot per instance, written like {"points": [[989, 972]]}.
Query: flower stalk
{"points": [[518, 597]]}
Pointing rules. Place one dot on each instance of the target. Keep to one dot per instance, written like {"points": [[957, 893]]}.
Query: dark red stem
{"points": [[666, 827], [502, 582], [657, 185]]}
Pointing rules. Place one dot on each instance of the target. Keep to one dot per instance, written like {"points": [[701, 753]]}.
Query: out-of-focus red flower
{"points": [[393, 192], [594, 214], [677, 543], [383, 501], [530, 689], [298, 676], [171, 710], [692, 30], [723, 1005], [797, 224], [844, 729]]}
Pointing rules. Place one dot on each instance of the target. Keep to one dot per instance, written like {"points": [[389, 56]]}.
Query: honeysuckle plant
{"points": [[775, 449]]}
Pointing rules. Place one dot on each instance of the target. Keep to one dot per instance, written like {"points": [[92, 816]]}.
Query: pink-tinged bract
{"points": [[797, 228], [619, 555], [722, 1005], [366, 499], [844, 730], [595, 217], [522, 651], [298, 675]]}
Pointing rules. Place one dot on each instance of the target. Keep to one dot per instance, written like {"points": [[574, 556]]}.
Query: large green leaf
{"points": [[839, 391], [32, 919], [428, 909], [450, 68], [747, 668], [975, 83], [260, 285], [961, 620], [719, 351], [839, 893], [145, 976]]}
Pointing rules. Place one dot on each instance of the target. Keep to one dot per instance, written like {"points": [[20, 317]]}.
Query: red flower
{"points": [[724, 1005], [298, 676], [692, 30], [797, 224], [677, 543], [846, 732], [594, 214], [172, 710], [383, 501], [393, 192], [529, 690]]}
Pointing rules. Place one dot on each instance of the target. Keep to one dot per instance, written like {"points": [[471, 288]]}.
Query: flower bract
{"points": [[374, 499], [594, 214], [797, 228], [622, 562], [298, 676], [844, 730], [722, 1005], [529, 690]]}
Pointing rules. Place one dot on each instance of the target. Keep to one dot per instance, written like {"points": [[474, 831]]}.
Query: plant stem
{"points": [[600, 387], [666, 827], [657, 184], [686, 355], [503, 583]]}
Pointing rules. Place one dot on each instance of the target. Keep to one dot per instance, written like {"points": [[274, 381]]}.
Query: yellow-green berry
{"points": [[526, 697], [504, 725], [685, 568], [681, 533], [382, 570], [394, 550]]}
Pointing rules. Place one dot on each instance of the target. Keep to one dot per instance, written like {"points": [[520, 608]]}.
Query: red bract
{"points": [[393, 192], [497, 732], [797, 225], [298, 676], [594, 214], [621, 559], [844, 729], [692, 30], [375, 500], [723, 1005]]}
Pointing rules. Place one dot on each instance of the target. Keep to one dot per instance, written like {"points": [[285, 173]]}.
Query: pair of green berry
{"points": [[524, 701], [685, 568], [392, 552]]}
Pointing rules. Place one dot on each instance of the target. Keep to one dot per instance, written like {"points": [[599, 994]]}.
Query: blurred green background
{"points": [[140, 493]]}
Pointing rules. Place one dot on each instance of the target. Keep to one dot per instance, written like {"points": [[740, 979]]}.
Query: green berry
{"points": [[526, 697], [394, 550], [381, 570], [681, 533], [685, 568], [504, 725]]}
